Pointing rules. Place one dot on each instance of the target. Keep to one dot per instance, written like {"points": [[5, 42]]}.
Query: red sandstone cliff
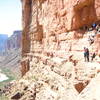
{"points": [[46, 23], [49, 26], [46, 20]]}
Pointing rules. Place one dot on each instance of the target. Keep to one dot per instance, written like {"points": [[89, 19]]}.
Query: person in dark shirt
{"points": [[93, 56], [86, 54]]}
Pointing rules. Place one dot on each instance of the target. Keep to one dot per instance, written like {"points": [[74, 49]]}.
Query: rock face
{"points": [[97, 43], [48, 21], [14, 41], [25, 66]]}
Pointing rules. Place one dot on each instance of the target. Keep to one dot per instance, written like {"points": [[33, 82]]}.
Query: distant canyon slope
{"points": [[10, 51], [14, 42]]}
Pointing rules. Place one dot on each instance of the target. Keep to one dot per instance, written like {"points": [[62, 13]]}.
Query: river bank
{"points": [[3, 77], [6, 76]]}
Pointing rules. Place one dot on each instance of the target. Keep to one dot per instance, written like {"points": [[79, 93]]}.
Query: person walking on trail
{"points": [[86, 54], [91, 39], [94, 25], [93, 56]]}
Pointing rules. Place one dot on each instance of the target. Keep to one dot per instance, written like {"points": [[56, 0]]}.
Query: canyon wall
{"points": [[11, 55], [14, 41], [49, 26], [46, 22]]}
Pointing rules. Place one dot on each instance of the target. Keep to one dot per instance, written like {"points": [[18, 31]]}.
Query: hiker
{"points": [[91, 39], [86, 54], [93, 56], [94, 25], [97, 27]]}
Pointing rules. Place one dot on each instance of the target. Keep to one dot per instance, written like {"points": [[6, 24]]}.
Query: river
{"points": [[3, 77]]}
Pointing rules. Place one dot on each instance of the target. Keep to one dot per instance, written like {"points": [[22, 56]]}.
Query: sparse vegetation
{"points": [[10, 75], [3, 97]]}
